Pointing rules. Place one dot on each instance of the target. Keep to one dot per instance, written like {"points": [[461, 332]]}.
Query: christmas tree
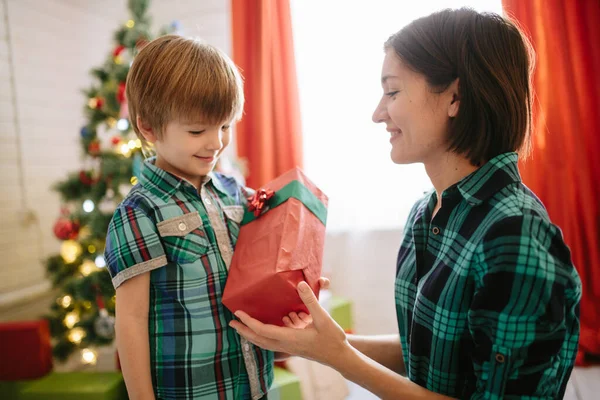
{"points": [[82, 317]]}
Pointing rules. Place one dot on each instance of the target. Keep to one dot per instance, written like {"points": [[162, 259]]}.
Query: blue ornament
{"points": [[85, 132]]}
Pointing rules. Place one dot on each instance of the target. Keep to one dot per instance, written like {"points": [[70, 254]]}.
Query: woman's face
{"points": [[416, 117]]}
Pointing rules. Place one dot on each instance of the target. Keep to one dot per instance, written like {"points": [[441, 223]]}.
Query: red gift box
{"points": [[280, 245], [25, 350]]}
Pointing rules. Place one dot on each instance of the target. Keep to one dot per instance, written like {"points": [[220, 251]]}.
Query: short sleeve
{"points": [[521, 317], [133, 245]]}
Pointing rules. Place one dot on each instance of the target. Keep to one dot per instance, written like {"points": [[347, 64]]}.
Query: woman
{"points": [[486, 294]]}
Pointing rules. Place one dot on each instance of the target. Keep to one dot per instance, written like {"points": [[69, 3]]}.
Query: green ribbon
{"points": [[295, 190]]}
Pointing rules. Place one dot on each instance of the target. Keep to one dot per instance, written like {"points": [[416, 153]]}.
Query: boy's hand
{"points": [[302, 320]]}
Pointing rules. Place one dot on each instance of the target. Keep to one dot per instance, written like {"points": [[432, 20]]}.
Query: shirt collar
{"points": [[492, 177], [164, 184]]}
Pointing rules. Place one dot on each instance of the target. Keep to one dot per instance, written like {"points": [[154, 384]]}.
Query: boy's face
{"points": [[189, 150]]}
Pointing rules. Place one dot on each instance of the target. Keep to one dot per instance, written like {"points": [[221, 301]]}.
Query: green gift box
{"points": [[76, 386], [286, 386], [340, 310]]}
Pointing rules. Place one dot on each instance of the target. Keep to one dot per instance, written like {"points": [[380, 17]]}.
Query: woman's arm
{"points": [[132, 335], [324, 341], [384, 349]]}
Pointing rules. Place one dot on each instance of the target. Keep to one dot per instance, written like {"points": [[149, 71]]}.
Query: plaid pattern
{"points": [[186, 238], [487, 297]]}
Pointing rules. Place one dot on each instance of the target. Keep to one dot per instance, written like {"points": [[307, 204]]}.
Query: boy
{"points": [[170, 242]]}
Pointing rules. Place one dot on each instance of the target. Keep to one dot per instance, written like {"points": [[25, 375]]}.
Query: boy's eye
{"points": [[196, 132], [225, 127]]}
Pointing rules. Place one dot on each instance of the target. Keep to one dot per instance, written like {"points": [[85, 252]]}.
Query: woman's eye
{"points": [[196, 132], [392, 94]]}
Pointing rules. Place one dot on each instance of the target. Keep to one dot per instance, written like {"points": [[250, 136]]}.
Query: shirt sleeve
{"points": [[133, 245], [517, 316]]}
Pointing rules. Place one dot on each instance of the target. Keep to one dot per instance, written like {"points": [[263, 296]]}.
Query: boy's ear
{"points": [[146, 130]]}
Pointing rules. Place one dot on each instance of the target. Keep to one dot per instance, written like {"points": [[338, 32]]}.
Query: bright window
{"points": [[339, 50]]}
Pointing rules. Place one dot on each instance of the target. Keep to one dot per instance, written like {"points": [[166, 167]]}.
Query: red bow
{"points": [[258, 202]]}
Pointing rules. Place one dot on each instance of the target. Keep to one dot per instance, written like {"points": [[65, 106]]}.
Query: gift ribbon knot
{"points": [[259, 200]]}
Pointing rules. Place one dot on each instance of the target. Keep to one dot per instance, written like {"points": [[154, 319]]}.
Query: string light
{"points": [[125, 149], [100, 262], [138, 143], [76, 335], [71, 319], [91, 249], [88, 206], [65, 301], [88, 356], [93, 103], [130, 24], [123, 124], [131, 144], [70, 250], [87, 267]]}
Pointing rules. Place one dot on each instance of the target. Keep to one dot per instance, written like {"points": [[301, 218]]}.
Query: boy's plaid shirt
{"points": [[186, 239], [487, 297]]}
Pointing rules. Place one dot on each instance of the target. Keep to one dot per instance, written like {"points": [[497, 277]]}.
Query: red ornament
{"points": [[121, 93], [65, 229], [118, 50], [115, 140], [258, 202], [86, 178], [94, 148]]}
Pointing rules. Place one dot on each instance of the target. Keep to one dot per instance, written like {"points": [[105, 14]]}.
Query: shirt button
{"points": [[435, 230], [500, 358], [182, 226], [247, 347], [207, 200]]}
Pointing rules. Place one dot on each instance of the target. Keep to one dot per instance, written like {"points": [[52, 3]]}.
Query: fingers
{"points": [[267, 331], [324, 283], [309, 299]]}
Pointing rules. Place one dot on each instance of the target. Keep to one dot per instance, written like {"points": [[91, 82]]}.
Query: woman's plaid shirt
{"points": [[487, 297]]}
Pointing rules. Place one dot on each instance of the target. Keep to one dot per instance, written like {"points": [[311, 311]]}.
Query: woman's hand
{"points": [[323, 340]]}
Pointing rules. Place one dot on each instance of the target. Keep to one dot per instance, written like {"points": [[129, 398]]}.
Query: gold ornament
{"points": [[130, 24], [111, 122], [133, 180], [70, 250], [93, 102], [91, 249]]}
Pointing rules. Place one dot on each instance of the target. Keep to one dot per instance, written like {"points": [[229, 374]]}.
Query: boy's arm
{"points": [[132, 335]]}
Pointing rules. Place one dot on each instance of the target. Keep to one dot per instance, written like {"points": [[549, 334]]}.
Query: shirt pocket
{"points": [[184, 238], [233, 218]]}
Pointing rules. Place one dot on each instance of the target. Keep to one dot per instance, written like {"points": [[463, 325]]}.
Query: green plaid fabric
{"points": [[186, 238], [487, 297]]}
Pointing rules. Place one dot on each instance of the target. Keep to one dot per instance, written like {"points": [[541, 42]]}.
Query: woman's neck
{"points": [[447, 170]]}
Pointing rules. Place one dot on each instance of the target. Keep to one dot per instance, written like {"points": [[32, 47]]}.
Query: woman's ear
{"points": [[454, 99], [146, 130]]}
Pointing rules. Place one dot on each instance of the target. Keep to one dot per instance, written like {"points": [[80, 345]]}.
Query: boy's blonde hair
{"points": [[185, 79]]}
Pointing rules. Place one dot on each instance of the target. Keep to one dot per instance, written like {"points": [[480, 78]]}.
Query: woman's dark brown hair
{"points": [[493, 62]]}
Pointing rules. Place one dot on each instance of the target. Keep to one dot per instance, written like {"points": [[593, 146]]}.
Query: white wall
{"points": [[53, 44]]}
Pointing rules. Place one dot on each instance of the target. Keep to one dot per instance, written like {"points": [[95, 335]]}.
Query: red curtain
{"points": [[269, 135], [564, 170]]}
